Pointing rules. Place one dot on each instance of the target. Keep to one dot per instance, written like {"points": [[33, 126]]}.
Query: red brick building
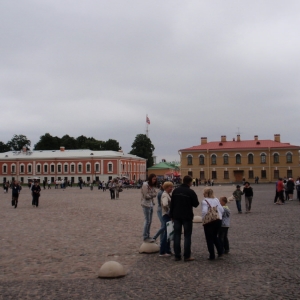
{"points": [[70, 165]]}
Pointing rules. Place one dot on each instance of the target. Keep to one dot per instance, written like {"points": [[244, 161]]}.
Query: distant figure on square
{"points": [[290, 188], [49, 184], [148, 194], [223, 232], [237, 194], [36, 189], [181, 212], [280, 191], [248, 192], [16, 189]]}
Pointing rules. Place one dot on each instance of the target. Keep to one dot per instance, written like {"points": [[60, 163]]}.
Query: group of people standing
{"points": [[177, 206], [285, 190]]}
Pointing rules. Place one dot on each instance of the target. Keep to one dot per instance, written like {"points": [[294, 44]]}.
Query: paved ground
{"points": [[56, 250]]}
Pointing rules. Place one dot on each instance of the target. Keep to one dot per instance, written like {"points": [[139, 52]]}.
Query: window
{"points": [[251, 174], [263, 174], [189, 160], [88, 167], [22, 168], [190, 173], [226, 175], [13, 168], [4, 168], [213, 159], [45, 168], [201, 160], [214, 175], [289, 174], [225, 159], [66, 168], [38, 168], [202, 175], [263, 158], [72, 168], [250, 158], [238, 159], [110, 167], [88, 178], [97, 167], [29, 168], [52, 168], [79, 167], [59, 168], [276, 174], [289, 158], [276, 158]]}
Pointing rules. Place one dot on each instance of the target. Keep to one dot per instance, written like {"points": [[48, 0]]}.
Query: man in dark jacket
{"points": [[181, 211], [248, 192], [16, 188]]}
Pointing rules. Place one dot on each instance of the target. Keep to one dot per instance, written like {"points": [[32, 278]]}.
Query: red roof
{"points": [[248, 144]]}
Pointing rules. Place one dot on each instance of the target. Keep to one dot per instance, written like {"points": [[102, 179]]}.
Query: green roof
{"points": [[162, 165]]}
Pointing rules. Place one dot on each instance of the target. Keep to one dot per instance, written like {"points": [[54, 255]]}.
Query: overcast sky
{"points": [[197, 68]]}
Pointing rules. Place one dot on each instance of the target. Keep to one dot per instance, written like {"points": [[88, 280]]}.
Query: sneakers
{"points": [[165, 255], [149, 240]]}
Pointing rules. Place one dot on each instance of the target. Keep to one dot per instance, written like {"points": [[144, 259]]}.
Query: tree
{"points": [[112, 145], [47, 142], [68, 142], [4, 147], [143, 147], [18, 142]]}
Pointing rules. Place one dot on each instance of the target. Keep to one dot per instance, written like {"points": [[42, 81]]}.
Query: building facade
{"points": [[232, 161], [71, 165]]}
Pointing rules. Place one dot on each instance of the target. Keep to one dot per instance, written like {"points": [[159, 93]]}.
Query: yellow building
{"points": [[232, 161]]}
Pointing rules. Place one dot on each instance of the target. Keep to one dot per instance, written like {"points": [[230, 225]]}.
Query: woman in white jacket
{"points": [[211, 229]]}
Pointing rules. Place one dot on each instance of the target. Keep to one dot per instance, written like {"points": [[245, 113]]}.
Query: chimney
{"points": [[256, 138], [238, 138], [203, 140], [223, 138], [24, 149], [62, 148], [277, 138]]}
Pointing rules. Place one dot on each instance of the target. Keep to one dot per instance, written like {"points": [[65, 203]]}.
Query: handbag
{"points": [[212, 214]]}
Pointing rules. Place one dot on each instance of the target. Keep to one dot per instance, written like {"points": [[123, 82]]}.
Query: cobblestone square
{"points": [[55, 251]]}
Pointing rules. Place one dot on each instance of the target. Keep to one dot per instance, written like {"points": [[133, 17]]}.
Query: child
{"points": [[223, 232], [237, 194]]}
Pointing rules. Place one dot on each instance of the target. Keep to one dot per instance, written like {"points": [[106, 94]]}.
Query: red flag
{"points": [[147, 120]]}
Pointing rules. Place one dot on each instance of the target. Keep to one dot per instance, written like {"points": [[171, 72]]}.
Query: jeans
{"points": [[148, 212], [211, 231], [248, 201], [223, 237], [165, 244], [162, 225], [238, 205], [188, 228]]}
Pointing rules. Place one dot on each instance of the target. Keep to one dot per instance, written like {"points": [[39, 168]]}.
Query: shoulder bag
{"points": [[211, 215]]}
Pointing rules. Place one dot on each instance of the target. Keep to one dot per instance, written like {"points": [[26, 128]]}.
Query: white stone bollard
{"points": [[111, 269], [149, 248]]}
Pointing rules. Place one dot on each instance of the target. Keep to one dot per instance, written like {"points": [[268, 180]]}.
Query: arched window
{"points": [[29, 168], [22, 168], [66, 168], [110, 167], [45, 168], [238, 159], [52, 168], [79, 167], [59, 168], [276, 159], [88, 167], [201, 160], [4, 168], [263, 158], [250, 158], [289, 157], [72, 168], [189, 159], [13, 168], [97, 167], [38, 168], [214, 159], [226, 159]]}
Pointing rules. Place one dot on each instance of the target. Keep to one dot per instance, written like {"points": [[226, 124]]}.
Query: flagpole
{"points": [[147, 130]]}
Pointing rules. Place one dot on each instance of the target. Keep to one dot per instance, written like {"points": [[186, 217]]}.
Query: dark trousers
{"points": [[280, 196], [35, 200], [112, 193], [223, 237], [15, 200], [211, 231], [188, 228], [276, 197]]}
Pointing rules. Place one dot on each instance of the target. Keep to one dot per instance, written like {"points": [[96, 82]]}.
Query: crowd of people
{"points": [[176, 205], [285, 190]]}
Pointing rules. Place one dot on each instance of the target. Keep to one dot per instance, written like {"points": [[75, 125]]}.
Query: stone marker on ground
{"points": [[111, 269], [149, 248]]}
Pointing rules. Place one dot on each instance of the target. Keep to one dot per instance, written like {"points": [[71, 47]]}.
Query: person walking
{"points": [[148, 194], [237, 194], [248, 192], [280, 190], [36, 189], [16, 189], [49, 184], [181, 212], [290, 187], [212, 229]]}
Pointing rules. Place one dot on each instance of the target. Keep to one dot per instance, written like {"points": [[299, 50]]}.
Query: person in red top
{"points": [[280, 191]]}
